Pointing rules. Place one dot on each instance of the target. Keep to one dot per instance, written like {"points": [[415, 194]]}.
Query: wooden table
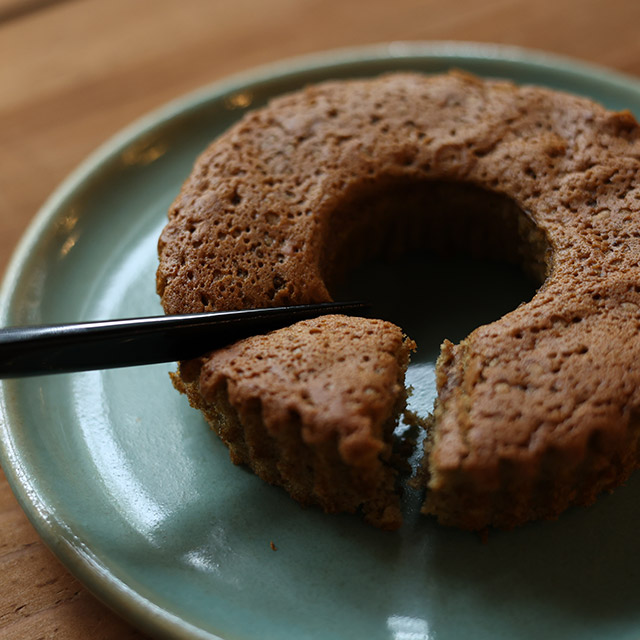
{"points": [[73, 73]]}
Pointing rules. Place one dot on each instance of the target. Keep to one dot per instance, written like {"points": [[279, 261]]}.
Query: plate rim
{"points": [[74, 554]]}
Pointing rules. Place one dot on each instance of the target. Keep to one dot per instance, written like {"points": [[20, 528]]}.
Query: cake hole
{"points": [[438, 259]]}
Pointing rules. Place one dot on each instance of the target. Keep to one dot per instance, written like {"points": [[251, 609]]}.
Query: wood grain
{"points": [[74, 73]]}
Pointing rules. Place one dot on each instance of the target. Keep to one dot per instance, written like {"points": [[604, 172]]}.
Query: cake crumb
{"points": [[273, 546]]}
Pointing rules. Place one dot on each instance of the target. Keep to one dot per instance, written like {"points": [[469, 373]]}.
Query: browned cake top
{"points": [[290, 196], [336, 375], [253, 220]]}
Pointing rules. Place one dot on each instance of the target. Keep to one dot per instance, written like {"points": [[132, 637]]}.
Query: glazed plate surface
{"points": [[138, 498]]}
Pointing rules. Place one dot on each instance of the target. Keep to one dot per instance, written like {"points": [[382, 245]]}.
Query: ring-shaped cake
{"points": [[536, 411]]}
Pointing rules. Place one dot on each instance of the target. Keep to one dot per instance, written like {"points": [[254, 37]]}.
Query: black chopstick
{"points": [[63, 348]]}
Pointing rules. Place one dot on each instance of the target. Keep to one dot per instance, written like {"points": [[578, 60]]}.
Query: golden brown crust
{"points": [[312, 408], [530, 407]]}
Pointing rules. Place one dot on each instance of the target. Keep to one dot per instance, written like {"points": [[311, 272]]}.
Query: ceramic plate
{"points": [[138, 498]]}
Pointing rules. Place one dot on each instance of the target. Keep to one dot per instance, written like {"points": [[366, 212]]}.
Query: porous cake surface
{"points": [[536, 411], [347, 395], [312, 408]]}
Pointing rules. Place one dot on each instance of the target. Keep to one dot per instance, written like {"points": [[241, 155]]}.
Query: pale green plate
{"points": [[134, 494]]}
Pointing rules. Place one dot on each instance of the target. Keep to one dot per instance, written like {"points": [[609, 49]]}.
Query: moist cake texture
{"points": [[536, 411], [312, 408]]}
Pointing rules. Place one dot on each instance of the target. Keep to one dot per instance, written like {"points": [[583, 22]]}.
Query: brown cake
{"points": [[536, 411], [312, 408]]}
